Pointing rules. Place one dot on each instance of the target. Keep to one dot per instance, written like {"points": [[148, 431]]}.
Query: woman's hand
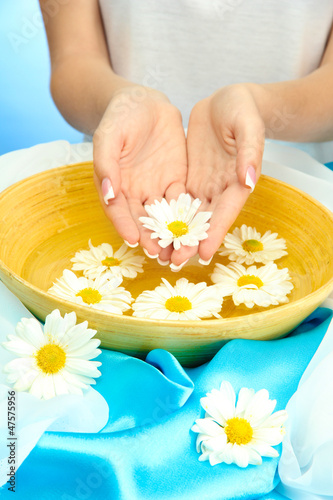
{"points": [[225, 144], [139, 156]]}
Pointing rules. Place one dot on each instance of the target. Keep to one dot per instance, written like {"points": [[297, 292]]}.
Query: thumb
{"points": [[250, 142], [107, 147]]}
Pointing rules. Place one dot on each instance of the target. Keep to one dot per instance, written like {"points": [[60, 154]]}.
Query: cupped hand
{"points": [[139, 156], [225, 144]]}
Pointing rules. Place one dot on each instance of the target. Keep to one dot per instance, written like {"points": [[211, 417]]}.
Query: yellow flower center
{"points": [[90, 295], [238, 430], [178, 304], [51, 358], [178, 228], [253, 246], [110, 262], [249, 279]]}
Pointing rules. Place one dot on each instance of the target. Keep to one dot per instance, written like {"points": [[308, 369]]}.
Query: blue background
{"points": [[28, 115]]}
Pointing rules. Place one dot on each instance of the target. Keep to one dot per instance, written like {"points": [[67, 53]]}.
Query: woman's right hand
{"points": [[139, 156]]}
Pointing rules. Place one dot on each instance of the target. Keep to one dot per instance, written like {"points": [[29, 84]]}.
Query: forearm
{"points": [[299, 110], [82, 87]]}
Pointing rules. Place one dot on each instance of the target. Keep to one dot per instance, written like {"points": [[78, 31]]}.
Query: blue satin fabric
{"points": [[147, 451]]}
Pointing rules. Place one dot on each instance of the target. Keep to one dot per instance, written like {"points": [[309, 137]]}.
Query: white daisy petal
{"points": [[177, 222], [259, 408], [220, 404], [24, 382], [254, 457], [61, 365], [264, 449], [184, 301], [214, 458], [36, 388], [228, 455], [272, 436], [100, 293], [60, 385], [103, 259], [48, 389], [241, 455], [246, 245], [264, 286], [244, 397], [214, 444], [31, 330], [208, 426], [276, 419], [228, 434], [20, 347]]}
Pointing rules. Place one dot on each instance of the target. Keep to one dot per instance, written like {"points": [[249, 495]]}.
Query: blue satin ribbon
{"points": [[147, 450]]}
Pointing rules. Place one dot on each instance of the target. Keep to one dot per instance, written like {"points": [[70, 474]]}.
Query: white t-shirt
{"points": [[190, 48]]}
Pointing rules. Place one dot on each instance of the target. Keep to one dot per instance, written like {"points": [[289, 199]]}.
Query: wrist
{"points": [[137, 94], [264, 101]]}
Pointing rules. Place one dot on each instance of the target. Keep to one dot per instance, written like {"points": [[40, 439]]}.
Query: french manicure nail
{"points": [[107, 190], [251, 178], [205, 262], [134, 245], [150, 256], [163, 262], [175, 268]]}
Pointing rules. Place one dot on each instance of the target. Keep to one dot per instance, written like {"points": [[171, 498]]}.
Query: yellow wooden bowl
{"points": [[46, 218]]}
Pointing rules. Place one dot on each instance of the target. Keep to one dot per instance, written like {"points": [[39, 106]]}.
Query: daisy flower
{"points": [[180, 302], [263, 286], [101, 293], [53, 360], [245, 244], [177, 222], [239, 433], [103, 260]]}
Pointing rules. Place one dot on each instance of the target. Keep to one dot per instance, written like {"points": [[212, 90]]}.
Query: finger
{"points": [[107, 147], [225, 211], [119, 213], [174, 190], [164, 257], [182, 255], [250, 142], [151, 246]]}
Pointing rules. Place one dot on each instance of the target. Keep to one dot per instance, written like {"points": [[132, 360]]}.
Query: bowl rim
{"points": [[133, 320]]}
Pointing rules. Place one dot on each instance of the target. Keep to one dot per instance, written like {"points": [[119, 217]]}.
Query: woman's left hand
{"points": [[225, 144]]}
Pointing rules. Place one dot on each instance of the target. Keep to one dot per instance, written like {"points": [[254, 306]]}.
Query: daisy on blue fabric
{"points": [[241, 432]]}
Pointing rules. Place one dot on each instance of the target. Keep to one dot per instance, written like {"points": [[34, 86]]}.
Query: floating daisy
{"points": [[263, 286], [239, 433], [183, 301], [100, 293], [245, 244], [103, 260], [177, 222], [54, 360]]}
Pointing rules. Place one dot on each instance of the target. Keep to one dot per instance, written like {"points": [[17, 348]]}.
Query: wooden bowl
{"points": [[46, 218]]}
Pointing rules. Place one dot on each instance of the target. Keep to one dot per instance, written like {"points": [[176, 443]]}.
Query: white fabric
{"points": [[306, 464], [190, 48], [67, 413]]}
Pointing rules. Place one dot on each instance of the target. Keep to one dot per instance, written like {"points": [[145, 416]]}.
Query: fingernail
{"points": [[107, 190], [134, 245], [163, 262], [175, 268], [251, 178], [205, 262], [150, 256]]}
